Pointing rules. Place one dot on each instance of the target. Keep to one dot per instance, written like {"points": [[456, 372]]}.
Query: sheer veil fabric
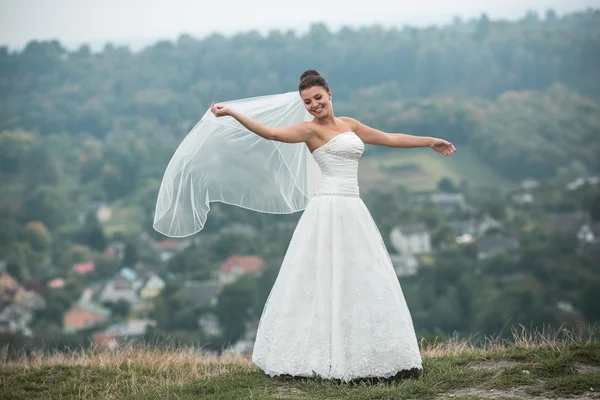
{"points": [[222, 161]]}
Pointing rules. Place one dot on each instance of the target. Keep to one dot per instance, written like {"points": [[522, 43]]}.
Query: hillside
{"points": [[532, 367], [422, 169]]}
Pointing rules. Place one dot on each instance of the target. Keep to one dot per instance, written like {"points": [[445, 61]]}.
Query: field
{"points": [[421, 169]]}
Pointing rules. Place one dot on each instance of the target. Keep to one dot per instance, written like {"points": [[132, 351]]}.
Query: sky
{"points": [[139, 23]]}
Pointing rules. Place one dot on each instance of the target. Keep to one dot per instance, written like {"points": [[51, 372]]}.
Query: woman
{"points": [[336, 309]]}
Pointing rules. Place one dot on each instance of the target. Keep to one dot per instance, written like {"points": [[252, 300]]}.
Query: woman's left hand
{"points": [[443, 147], [219, 111]]}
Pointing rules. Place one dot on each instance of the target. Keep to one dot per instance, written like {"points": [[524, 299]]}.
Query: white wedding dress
{"points": [[336, 310]]}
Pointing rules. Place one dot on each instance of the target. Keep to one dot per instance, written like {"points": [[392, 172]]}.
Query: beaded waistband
{"points": [[345, 194]]}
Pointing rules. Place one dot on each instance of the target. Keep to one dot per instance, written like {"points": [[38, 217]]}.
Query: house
{"points": [[577, 183], [488, 224], [86, 295], [57, 283], [15, 319], [490, 246], [169, 247], [101, 211], [128, 274], [476, 227], [589, 233], [123, 332], [411, 239], [522, 198], [152, 288], [465, 238], [405, 264], [529, 185], [447, 202], [84, 268], [524, 194], [120, 287], [202, 293], [29, 300], [84, 315], [115, 250], [236, 266]]}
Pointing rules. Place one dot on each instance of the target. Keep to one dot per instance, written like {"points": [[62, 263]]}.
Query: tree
{"points": [[446, 185], [15, 148], [46, 204], [595, 207], [106, 267], [236, 307], [120, 308], [92, 234], [130, 256], [38, 236], [96, 238]]}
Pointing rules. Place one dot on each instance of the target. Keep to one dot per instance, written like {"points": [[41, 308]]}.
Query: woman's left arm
{"points": [[374, 136]]}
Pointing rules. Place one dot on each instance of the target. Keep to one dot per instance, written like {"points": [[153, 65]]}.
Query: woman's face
{"points": [[317, 101]]}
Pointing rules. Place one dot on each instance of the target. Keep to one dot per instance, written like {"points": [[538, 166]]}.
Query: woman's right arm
{"points": [[299, 133]]}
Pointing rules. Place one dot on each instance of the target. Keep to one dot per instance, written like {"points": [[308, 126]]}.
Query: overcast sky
{"points": [[140, 22]]}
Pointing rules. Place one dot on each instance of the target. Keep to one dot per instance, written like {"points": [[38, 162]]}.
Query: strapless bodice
{"points": [[338, 160]]}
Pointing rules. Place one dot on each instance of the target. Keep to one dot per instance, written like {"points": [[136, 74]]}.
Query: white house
{"points": [[589, 233], [14, 318], [447, 202], [404, 264], [577, 183], [119, 288], [153, 287], [411, 239]]}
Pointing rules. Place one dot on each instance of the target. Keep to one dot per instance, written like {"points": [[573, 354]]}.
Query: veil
{"points": [[222, 161]]}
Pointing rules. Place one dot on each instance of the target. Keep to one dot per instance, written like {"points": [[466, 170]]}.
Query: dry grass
{"points": [[560, 363], [521, 337]]}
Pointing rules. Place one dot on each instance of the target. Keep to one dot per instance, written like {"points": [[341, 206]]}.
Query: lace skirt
{"points": [[336, 310]]}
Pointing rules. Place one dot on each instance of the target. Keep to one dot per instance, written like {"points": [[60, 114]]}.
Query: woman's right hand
{"points": [[219, 111]]}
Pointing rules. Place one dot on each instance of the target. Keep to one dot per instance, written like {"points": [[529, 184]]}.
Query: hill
{"points": [[531, 367], [421, 170]]}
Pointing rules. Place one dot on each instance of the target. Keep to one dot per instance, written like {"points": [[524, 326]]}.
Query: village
{"points": [[118, 308]]}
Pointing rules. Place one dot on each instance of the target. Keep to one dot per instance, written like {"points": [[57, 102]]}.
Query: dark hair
{"points": [[310, 78]]}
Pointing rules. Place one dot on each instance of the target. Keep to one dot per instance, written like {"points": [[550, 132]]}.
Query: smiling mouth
{"points": [[318, 110]]}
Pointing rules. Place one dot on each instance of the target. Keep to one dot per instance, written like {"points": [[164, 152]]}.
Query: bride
{"points": [[336, 310]]}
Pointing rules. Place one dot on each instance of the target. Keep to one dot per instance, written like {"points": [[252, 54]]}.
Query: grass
{"points": [[421, 169], [531, 366]]}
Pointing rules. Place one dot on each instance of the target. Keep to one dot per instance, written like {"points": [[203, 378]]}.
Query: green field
{"points": [[124, 220], [421, 169]]}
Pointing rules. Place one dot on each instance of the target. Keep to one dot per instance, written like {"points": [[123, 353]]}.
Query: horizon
{"points": [[69, 21]]}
